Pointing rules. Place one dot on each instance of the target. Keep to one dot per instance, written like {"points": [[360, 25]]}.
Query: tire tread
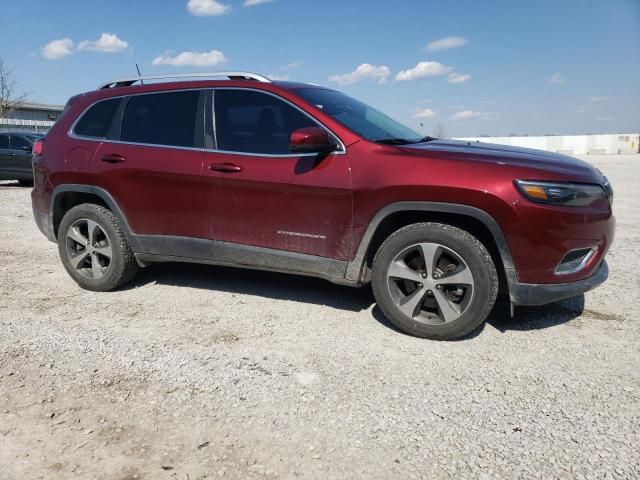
{"points": [[460, 234], [127, 266]]}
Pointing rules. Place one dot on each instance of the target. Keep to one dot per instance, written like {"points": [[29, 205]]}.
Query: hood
{"points": [[505, 155]]}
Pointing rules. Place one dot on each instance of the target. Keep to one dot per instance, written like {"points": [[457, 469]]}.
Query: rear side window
{"points": [[161, 119], [4, 141], [97, 120], [255, 122]]}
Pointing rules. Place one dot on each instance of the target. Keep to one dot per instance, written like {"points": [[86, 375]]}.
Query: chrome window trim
{"points": [[72, 134], [155, 145], [587, 258]]}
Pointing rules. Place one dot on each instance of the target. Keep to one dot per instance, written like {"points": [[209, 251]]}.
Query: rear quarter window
{"points": [[96, 121]]}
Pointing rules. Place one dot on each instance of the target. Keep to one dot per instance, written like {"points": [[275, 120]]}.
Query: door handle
{"points": [[114, 158], [225, 167]]}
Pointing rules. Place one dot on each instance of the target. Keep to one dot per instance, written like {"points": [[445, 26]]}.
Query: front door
{"points": [[260, 193]]}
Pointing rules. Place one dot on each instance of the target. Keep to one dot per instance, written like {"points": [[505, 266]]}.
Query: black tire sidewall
{"points": [[474, 255], [111, 279]]}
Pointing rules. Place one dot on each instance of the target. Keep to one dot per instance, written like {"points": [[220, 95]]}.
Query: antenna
{"points": [[139, 74]]}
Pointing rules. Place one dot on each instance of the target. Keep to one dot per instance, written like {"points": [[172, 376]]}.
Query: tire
{"points": [[448, 299], [108, 262]]}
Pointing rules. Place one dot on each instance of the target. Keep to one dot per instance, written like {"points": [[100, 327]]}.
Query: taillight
{"points": [[38, 147]]}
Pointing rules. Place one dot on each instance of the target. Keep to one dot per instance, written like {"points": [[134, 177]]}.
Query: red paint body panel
{"points": [[161, 190], [270, 201], [292, 203]]}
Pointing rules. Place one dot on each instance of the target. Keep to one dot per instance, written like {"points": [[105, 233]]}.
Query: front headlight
{"points": [[563, 194]]}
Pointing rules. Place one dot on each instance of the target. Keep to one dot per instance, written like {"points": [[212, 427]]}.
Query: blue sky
{"points": [[492, 67]]}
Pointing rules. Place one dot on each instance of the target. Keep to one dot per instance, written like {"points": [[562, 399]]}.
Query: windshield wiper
{"points": [[393, 141], [403, 141]]}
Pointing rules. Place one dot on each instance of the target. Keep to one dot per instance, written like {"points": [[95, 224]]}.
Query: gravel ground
{"points": [[200, 372]]}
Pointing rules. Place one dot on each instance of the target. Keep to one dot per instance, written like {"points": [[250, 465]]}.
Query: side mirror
{"points": [[311, 140]]}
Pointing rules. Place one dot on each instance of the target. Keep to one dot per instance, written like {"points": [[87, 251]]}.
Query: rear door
{"points": [[262, 194], [21, 155], [5, 156], [151, 163]]}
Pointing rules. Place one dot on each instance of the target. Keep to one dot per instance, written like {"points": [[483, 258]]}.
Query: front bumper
{"points": [[542, 293]]}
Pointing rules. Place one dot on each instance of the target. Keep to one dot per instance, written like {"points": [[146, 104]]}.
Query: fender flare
{"points": [[356, 267], [106, 197]]}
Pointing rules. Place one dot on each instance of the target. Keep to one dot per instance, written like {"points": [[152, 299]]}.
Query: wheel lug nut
{"points": [[420, 285], [429, 292], [439, 287]]}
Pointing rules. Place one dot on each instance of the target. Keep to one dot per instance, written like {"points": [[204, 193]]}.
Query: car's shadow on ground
{"points": [[316, 291], [273, 285], [535, 318], [14, 184]]}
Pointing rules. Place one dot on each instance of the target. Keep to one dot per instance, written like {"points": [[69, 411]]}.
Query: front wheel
{"points": [[94, 248], [435, 281]]}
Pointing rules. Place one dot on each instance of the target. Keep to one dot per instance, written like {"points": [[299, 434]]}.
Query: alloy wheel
{"points": [[88, 249], [430, 283]]}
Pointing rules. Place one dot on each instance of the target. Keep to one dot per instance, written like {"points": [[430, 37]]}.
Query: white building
{"points": [[31, 117], [617, 143]]}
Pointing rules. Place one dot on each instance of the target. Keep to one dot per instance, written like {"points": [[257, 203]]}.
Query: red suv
{"points": [[238, 170]]}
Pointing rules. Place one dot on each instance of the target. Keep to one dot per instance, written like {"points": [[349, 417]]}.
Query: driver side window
{"points": [[254, 122]]}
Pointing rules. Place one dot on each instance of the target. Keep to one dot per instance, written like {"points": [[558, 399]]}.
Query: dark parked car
{"points": [[302, 179], [15, 156]]}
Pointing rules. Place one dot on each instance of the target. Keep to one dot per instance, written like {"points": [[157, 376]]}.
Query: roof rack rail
{"points": [[126, 82]]}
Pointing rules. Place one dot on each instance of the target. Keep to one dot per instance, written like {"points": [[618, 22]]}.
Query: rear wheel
{"points": [[94, 248], [434, 281]]}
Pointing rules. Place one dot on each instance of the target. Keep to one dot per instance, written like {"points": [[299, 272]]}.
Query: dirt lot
{"points": [[200, 372]]}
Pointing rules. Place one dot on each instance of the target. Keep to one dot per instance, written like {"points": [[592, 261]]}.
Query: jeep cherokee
{"points": [[231, 168]]}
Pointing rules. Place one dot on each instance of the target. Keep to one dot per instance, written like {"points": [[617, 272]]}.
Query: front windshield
{"points": [[359, 117]]}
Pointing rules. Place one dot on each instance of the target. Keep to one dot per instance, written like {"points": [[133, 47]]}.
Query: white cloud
{"points": [[192, 59], [458, 77], [251, 3], [424, 113], [363, 72], [556, 79], [598, 99], [292, 65], [470, 114], [446, 43], [423, 69], [57, 49], [108, 42], [207, 8]]}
